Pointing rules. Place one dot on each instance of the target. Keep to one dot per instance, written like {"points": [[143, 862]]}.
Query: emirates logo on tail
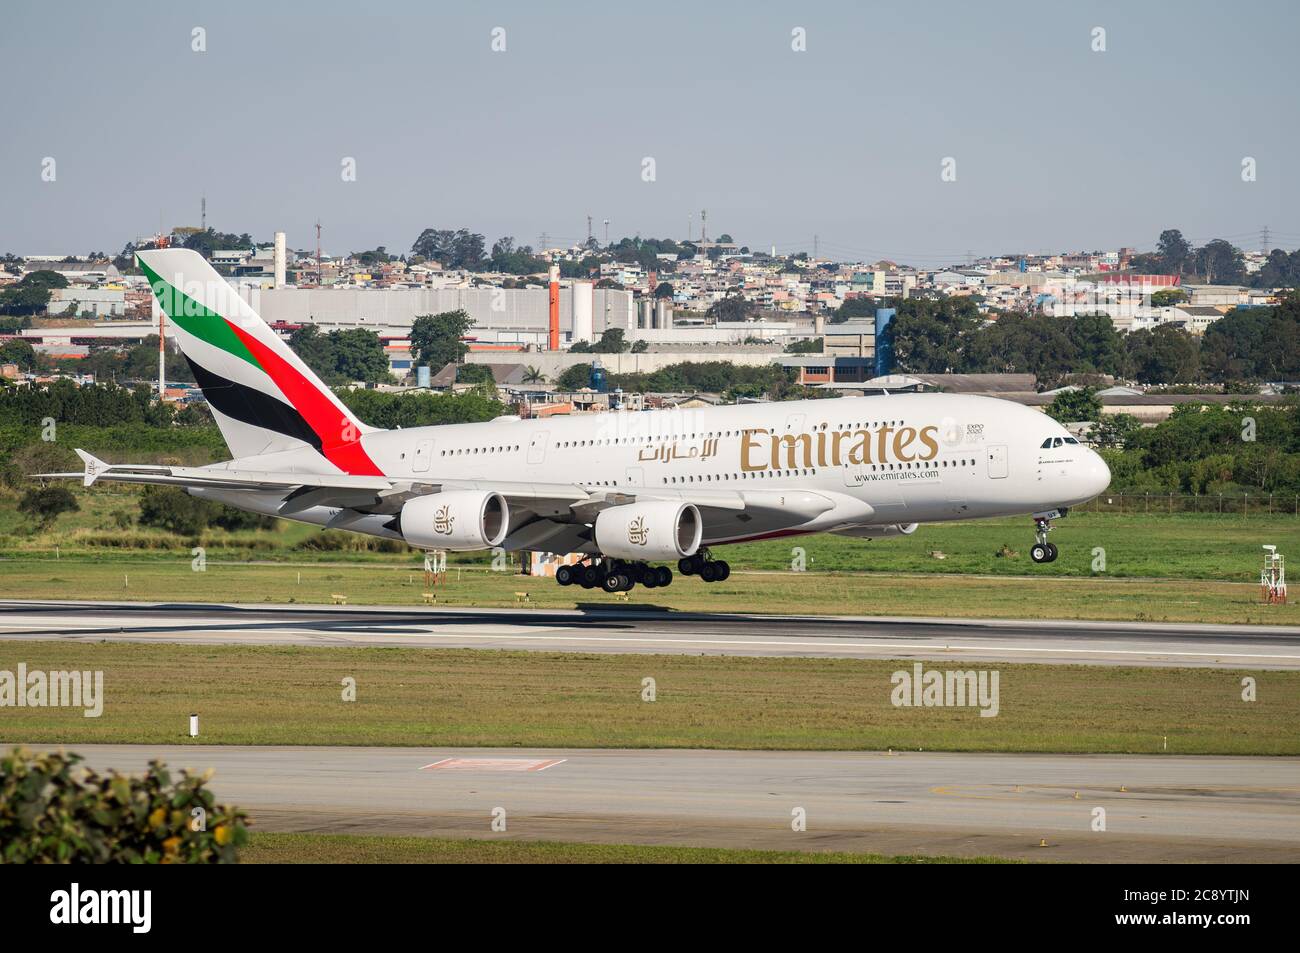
{"points": [[638, 534], [443, 521]]}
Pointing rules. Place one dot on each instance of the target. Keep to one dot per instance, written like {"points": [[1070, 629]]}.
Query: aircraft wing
{"points": [[306, 490]]}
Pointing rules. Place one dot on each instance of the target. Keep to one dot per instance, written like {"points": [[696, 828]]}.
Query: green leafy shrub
{"points": [[52, 811]]}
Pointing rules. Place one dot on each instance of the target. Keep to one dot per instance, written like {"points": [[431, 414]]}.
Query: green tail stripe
{"points": [[194, 318]]}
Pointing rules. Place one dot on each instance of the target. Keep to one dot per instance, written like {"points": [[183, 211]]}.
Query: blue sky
{"points": [[1056, 146]]}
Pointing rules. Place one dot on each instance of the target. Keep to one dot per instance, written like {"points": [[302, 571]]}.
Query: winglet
{"points": [[94, 467]]}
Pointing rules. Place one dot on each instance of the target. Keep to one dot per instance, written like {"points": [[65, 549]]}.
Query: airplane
{"points": [[627, 491]]}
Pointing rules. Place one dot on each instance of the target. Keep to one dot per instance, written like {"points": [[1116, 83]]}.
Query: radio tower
{"points": [[320, 271], [704, 226], [203, 213], [588, 229]]}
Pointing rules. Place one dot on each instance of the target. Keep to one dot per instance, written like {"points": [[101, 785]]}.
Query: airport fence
{"points": [[1226, 504]]}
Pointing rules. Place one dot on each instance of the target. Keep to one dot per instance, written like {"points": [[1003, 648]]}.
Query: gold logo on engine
{"points": [[638, 534], [443, 521]]}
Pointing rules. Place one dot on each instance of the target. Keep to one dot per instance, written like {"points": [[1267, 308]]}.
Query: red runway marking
{"points": [[493, 764]]}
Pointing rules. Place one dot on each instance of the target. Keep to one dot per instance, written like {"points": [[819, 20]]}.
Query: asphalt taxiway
{"points": [[601, 628], [1082, 807]]}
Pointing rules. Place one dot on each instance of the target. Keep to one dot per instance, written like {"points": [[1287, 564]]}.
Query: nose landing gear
{"points": [[1043, 551]]}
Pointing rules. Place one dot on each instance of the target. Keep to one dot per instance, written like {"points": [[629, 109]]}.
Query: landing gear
{"points": [[614, 575], [703, 565], [1043, 551]]}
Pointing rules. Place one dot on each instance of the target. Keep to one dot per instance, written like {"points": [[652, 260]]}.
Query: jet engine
{"points": [[654, 530], [458, 520], [878, 531]]}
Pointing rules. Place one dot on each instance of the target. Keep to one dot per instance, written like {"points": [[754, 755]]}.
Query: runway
{"points": [[1216, 809], [638, 629]]}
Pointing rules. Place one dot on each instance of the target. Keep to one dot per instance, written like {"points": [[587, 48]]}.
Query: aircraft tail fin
{"points": [[264, 397]]}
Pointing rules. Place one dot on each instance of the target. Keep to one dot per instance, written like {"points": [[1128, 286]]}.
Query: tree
{"points": [[1113, 431], [436, 338], [1221, 263], [1167, 296], [1254, 343], [932, 337], [378, 256], [31, 295], [1166, 354], [342, 356], [452, 249], [859, 306], [663, 290], [1173, 249], [44, 504], [1073, 406], [732, 308], [18, 352], [574, 378], [532, 375], [611, 342], [640, 346], [1098, 346], [474, 374]]}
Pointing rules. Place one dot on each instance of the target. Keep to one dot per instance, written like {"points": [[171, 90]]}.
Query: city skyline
{"points": [[1056, 145]]}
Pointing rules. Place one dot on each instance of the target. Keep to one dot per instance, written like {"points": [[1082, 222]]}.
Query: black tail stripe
{"points": [[251, 406]]}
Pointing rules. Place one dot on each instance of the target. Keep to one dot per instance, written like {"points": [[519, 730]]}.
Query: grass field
{"points": [[352, 849], [452, 697], [808, 593]]}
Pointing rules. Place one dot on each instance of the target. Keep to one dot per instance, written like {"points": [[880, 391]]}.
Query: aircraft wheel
{"points": [[709, 572], [613, 582], [1039, 553], [723, 569], [591, 577], [649, 578], [663, 576], [686, 565], [1051, 552], [565, 576]]}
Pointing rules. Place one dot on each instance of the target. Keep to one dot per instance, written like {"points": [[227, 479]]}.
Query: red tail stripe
{"points": [[340, 439]]}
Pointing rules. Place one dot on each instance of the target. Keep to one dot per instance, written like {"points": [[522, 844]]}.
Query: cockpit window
{"points": [[1047, 444], [1071, 440]]}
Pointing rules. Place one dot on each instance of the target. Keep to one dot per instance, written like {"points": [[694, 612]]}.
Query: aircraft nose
{"points": [[1096, 475]]}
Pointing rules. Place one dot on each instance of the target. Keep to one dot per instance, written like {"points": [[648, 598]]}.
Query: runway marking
{"points": [[493, 764], [870, 645]]}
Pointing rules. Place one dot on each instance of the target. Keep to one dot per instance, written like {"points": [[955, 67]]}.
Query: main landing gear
{"points": [[703, 564], [614, 575], [1043, 551]]}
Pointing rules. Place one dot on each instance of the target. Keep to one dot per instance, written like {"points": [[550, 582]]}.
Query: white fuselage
{"points": [[910, 458]]}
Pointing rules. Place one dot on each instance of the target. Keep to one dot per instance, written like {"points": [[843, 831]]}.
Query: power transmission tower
{"points": [[1264, 248], [704, 225]]}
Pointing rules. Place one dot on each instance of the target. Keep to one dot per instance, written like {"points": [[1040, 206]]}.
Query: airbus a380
{"points": [[629, 491]]}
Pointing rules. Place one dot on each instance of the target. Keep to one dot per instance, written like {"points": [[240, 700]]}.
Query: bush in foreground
{"points": [[53, 812]]}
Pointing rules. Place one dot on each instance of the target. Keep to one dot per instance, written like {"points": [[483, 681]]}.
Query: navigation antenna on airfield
{"points": [[1272, 578]]}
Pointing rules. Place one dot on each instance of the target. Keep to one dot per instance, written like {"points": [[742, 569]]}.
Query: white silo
{"points": [[583, 307]]}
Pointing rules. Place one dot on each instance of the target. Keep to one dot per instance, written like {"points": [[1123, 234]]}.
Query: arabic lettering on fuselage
{"points": [[763, 450]]}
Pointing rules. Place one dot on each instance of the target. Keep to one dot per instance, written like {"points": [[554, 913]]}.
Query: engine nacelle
{"points": [[879, 531], [656, 529], [458, 520]]}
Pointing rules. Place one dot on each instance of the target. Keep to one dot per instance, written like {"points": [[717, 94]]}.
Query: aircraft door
{"points": [[537, 447], [997, 459], [423, 454]]}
